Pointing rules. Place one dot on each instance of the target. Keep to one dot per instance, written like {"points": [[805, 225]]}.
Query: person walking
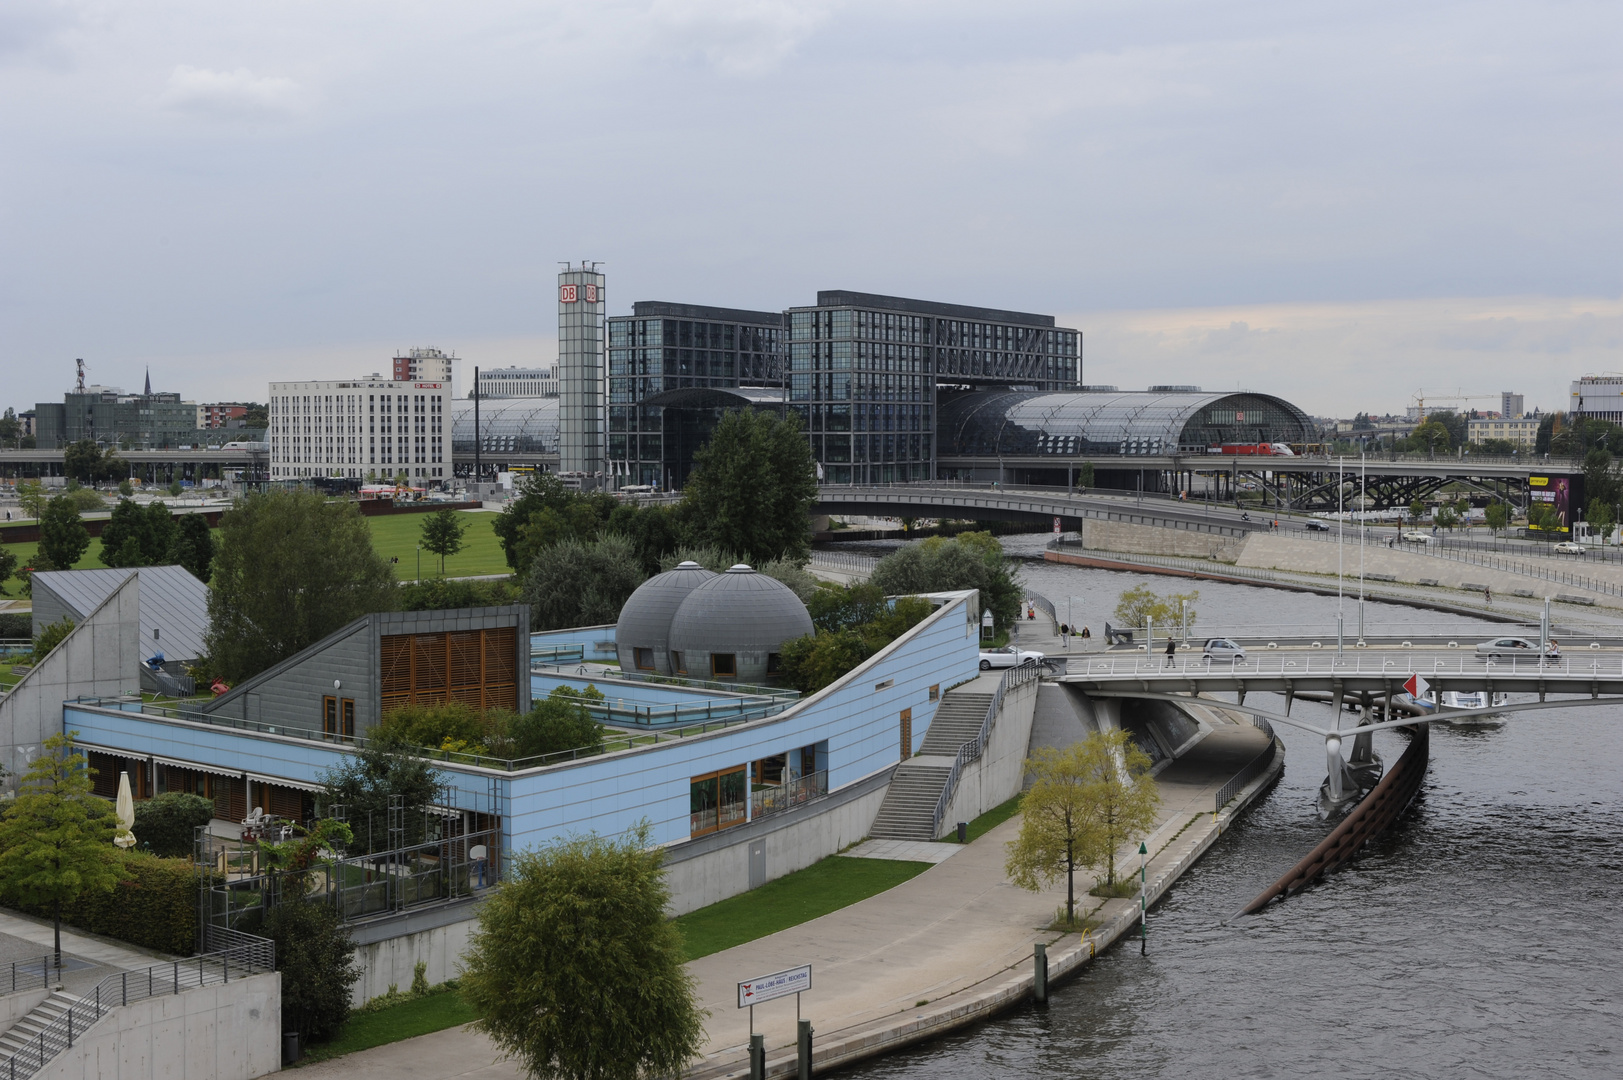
{"points": [[1488, 593], [1172, 647]]}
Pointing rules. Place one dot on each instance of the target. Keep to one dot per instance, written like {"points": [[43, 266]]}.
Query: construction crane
{"points": [[1457, 395]]}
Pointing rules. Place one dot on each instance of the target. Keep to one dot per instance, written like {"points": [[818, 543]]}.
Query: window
{"points": [[723, 665], [338, 717], [935, 692], [774, 663], [676, 663], [645, 659], [717, 800]]}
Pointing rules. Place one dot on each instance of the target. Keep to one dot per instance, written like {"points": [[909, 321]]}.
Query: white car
{"points": [[1009, 656], [1220, 648], [1568, 547], [1416, 538], [1515, 646]]}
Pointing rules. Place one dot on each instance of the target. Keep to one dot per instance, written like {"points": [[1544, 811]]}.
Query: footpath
{"points": [[946, 949]]}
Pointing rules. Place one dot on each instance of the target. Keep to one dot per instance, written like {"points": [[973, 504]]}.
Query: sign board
{"points": [[568, 294], [1416, 687], [778, 984], [1056, 524]]}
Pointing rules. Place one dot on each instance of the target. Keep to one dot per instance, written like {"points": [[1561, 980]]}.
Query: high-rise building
{"points": [[427, 365], [581, 311], [369, 428], [1598, 396], [517, 382], [695, 360], [1511, 405], [866, 374]]}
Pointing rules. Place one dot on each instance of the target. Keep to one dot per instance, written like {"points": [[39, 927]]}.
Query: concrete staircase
{"points": [[24, 1034], [908, 812]]}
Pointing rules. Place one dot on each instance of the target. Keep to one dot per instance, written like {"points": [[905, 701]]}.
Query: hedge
{"points": [[156, 907]]}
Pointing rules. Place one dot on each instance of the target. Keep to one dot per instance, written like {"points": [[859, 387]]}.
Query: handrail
{"points": [[972, 750], [1296, 664], [26, 968], [1252, 769], [1474, 557], [248, 957]]}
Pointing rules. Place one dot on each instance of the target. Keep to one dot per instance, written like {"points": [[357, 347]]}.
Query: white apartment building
{"points": [[1522, 432], [517, 382], [370, 428]]}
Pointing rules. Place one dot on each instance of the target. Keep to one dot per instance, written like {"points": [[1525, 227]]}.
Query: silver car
{"points": [[1221, 648], [1513, 646], [1009, 656]]}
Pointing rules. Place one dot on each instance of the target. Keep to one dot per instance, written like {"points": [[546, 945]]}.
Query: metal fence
{"points": [[972, 750], [25, 972], [1253, 769], [1133, 667], [248, 955], [790, 794]]}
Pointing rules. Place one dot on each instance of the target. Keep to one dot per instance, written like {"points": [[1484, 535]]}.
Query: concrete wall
{"points": [[232, 1031], [1155, 540], [392, 961], [13, 1007], [999, 774], [100, 658], [1063, 716]]}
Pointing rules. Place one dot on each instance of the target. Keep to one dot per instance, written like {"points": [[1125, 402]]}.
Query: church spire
{"points": [[148, 390]]}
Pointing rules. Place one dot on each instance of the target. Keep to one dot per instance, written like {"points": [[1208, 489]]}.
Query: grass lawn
{"points": [[90, 560], [990, 820], [826, 886], [419, 1016], [397, 535]]}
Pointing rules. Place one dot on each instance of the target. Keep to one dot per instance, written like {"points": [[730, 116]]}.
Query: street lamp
{"points": [[419, 562]]}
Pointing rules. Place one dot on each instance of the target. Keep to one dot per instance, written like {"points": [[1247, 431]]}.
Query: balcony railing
{"points": [[790, 794]]}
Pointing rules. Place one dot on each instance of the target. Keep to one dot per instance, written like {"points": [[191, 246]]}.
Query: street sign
{"points": [[1056, 524], [778, 984], [1416, 687]]}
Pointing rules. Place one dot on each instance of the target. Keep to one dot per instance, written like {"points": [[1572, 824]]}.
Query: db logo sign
{"points": [[571, 294]]}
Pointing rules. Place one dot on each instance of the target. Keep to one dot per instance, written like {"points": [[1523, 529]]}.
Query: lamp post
{"points": [[419, 562]]}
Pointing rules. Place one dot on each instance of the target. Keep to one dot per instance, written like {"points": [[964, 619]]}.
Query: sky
{"points": [[1345, 204]]}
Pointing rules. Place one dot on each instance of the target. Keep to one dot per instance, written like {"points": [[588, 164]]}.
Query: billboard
{"points": [[1565, 493]]}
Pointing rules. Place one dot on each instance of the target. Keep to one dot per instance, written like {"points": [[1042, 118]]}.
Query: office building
{"points": [[672, 369], [1597, 396], [108, 416], [517, 382], [1523, 432], [581, 310], [1511, 405], [361, 429], [867, 373]]}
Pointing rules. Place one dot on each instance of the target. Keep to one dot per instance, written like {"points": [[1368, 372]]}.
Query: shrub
{"points": [[50, 637], [557, 723], [447, 725], [155, 906], [166, 825], [316, 957], [439, 594]]}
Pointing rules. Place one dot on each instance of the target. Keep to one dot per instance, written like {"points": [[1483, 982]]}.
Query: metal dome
{"points": [[643, 632], [736, 620]]}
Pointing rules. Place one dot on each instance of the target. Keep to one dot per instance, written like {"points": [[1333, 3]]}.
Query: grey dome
{"points": [[741, 614], [645, 620]]}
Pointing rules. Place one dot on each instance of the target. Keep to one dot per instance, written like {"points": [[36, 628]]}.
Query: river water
{"points": [[1483, 937]]}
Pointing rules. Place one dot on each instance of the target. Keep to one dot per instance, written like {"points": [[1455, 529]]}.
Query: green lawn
{"points": [[990, 820], [419, 1016], [397, 535], [826, 886]]}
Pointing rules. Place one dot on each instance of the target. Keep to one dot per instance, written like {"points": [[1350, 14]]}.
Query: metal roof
{"points": [[515, 425], [172, 601]]}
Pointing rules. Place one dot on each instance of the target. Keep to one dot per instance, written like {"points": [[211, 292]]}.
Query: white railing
{"points": [[844, 559], [1383, 663], [1487, 561]]}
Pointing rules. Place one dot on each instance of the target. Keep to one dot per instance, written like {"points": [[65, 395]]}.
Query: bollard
{"points": [[803, 1047], [757, 1057], [963, 832], [1039, 963]]}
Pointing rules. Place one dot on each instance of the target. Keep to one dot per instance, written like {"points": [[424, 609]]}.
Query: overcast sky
{"points": [[1339, 203]]}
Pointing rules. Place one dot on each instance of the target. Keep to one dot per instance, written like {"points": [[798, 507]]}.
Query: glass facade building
{"points": [[865, 373], [519, 429], [581, 307], [672, 369]]}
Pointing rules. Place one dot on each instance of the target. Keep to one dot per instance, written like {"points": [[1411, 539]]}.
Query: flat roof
{"points": [[665, 309], [846, 298]]}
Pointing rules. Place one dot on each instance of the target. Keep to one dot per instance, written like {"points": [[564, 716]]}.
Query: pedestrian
{"points": [[1488, 593], [1172, 647], [1085, 632]]}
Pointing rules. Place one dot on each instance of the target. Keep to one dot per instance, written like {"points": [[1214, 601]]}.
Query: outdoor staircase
{"points": [[908, 812], [24, 1034]]}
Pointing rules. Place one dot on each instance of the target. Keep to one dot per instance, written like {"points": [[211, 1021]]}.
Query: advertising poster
{"points": [[1565, 493]]}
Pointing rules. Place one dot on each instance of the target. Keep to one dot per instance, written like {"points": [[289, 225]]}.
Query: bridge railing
{"points": [[1296, 664]]}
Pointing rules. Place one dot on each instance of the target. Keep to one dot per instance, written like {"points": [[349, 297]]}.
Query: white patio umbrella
{"points": [[126, 813]]}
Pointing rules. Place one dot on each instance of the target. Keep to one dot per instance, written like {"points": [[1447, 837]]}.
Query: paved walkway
{"points": [[931, 851], [87, 958], [956, 927]]}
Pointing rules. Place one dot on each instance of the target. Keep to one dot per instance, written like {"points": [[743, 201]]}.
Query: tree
{"points": [[576, 970], [194, 546], [752, 488], [572, 583], [557, 723], [167, 824], [56, 838], [63, 538], [50, 637], [1456, 426], [442, 533], [10, 427], [1497, 515], [8, 566], [138, 536], [383, 768], [316, 957], [972, 560], [1085, 802], [1417, 510], [82, 461], [31, 498], [1429, 436], [1084, 476], [291, 569], [1140, 604]]}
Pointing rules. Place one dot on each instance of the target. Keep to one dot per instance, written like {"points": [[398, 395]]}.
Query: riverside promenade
{"points": [[944, 950]]}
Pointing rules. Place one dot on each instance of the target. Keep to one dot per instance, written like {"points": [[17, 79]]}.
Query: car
{"points": [[1315, 525], [1009, 656], [1569, 547], [1221, 648], [1416, 538], [1514, 646]]}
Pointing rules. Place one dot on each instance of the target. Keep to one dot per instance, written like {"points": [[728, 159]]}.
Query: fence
{"points": [[790, 794], [23, 972], [847, 560], [972, 750], [1136, 666], [1255, 768], [248, 955]]}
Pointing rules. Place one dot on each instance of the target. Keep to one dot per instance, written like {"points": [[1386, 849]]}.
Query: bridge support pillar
{"points": [[1290, 696], [1364, 742]]}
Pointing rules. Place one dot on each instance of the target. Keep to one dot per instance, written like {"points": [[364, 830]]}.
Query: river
{"points": [[1481, 938]]}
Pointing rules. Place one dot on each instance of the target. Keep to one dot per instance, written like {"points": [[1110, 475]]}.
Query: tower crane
{"points": [[1457, 395]]}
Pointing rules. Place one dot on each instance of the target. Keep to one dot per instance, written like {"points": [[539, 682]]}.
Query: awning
{"points": [[195, 767], [138, 755], [299, 785]]}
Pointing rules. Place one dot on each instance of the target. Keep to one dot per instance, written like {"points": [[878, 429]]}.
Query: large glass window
{"points": [[717, 800]]}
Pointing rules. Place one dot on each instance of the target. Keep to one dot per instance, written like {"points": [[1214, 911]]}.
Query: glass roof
{"points": [[518, 425], [1114, 422]]}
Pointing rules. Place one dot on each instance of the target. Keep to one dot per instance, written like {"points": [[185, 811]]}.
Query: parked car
{"points": [[1514, 646], [1416, 538], [1315, 525], [1221, 648], [1009, 656], [1569, 547]]}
